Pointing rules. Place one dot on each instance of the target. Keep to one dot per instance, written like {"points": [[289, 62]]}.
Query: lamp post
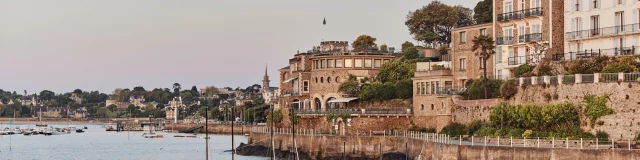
{"points": [[274, 99], [206, 130]]}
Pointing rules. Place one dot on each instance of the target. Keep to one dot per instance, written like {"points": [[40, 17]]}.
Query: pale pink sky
{"points": [[106, 44]]}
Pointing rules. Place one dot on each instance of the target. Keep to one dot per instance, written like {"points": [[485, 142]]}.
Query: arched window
{"points": [[431, 106], [316, 79], [337, 79], [422, 107], [321, 79], [328, 79]]}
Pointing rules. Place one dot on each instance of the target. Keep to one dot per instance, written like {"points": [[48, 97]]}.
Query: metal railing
{"points": [[533, 37], [526, 13], [527, 81], [517, 60], [353, 111], [586, 54], [539, 80], [608, 77], [587, 78], [553, 80], [290, 93], [631, 77], [506, 40], [443, 91], [606, 31], [568, 79]]}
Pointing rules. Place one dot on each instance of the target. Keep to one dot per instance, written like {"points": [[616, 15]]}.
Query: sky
{"points": [[101, 45]]}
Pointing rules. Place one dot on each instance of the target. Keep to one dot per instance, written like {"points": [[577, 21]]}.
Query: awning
{"points": [[342, 100], [289, 80]]}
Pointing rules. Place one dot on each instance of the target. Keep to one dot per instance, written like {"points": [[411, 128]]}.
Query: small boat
{"points": [[192, 136], [79, 131], [27, 133], [41, 125], [85, 127], [178, 136]]}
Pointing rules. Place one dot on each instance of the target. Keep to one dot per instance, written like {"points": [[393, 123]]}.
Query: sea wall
{"points": [[324, 147], [213, 128], [624, 99]]}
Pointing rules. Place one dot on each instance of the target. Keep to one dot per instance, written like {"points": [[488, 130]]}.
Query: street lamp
{"points": [[206, 130], [274, 99]]}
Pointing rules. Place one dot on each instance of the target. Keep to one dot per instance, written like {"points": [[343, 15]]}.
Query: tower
{"points": [[265, 80]]}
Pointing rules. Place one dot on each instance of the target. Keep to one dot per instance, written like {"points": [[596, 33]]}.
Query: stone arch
{"points": [[321, 79], [296, 104], [317, 104], [285, 76], [331, 105], [306, 104]]}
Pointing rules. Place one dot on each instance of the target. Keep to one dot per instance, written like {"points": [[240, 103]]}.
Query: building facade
{"points": [[311, 80], [521, 26], [601, 27]]}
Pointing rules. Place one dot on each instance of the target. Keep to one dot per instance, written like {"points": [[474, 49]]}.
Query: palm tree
{"points": [[484, 48]]}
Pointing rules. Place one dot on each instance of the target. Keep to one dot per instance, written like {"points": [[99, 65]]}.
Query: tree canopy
{"points": [[364, 43], [432, 23], [483, 12]]}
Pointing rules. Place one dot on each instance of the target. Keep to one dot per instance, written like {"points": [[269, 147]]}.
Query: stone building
{"points": [[174, 108], [436, 84], [607, 28], [311, 80], [519, 26]]}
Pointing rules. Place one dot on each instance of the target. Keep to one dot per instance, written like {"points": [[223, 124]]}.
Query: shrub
{"points": [[473, 127], [475, 89], [527, 133], [277, 116], [596, 107], [454, 129], [515, 132], [485, 131], [508, 89], [588, 66], [638, 80], [404, 89], [602, 134], [411, 53], [524, 68], [561, 117], [544, 69], [618, 67], [586, 135]]}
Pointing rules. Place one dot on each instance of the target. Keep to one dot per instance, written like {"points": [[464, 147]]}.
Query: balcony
{"points": [[428, 69], [533, 37], [290, 93], [354, 111], [586, 54], [603, 32], [518, 60], [521, 14], [445, 91], [507, 40]]}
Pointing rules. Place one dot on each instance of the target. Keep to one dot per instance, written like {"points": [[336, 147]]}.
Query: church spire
{"points": [[265, 80]]}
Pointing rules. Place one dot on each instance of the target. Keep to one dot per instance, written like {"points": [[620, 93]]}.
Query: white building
{"points": [[606, 27]]}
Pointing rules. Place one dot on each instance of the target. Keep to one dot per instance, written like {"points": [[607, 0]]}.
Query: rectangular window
{"points": [[595, 25], [305, 86], [331, 63], [296, 65], [521, 5], [348, 63], [595, 4], [377, 63], [339, 63], [317, 64], [358, 63], [463, 64], [498, 55], [577, 5], [418, 87], [367, 63], [483, 31], [463, 37], [620, 1], [448, 84], [324, 63], [424, 87], [508, 7]]}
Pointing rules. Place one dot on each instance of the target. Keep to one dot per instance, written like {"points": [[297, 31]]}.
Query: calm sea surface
{"points": [[96, 143]]}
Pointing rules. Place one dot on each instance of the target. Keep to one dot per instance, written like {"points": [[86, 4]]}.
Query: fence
{"points": [[581, 78], [586, 54], [354, 111], [468, 140]]}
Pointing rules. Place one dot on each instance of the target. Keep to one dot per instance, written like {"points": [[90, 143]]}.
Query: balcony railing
{"points": [[364, 111], [533, 37], [601, 32], [533, 12], [507, 40], [518, 60], [443, 91], [290, 93], [586, 54]]}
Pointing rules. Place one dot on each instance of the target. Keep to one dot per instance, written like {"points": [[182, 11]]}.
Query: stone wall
{"points": [[466, 111], [321, 147], [463, 50], [623, 99]]}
